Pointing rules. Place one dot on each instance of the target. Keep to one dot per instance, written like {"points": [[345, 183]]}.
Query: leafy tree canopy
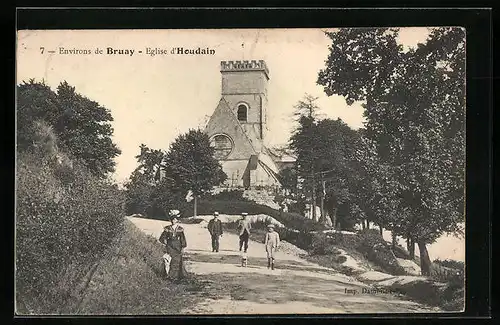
{"points": [[414, 104], [82, 126], [191, 164]]}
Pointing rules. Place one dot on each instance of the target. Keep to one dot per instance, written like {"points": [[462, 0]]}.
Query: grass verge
{"points": [[130, 281]]}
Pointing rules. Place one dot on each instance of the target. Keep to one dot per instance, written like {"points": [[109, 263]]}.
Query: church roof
{"points": [[281, 155]]}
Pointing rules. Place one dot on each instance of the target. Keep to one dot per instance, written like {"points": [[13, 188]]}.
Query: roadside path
{"points": [[296, 286]]}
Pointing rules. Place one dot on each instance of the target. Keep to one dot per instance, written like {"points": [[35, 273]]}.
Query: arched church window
{"points": [[222, 144], [242, 112]]}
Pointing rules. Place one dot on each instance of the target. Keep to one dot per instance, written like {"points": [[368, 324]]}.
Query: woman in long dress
{"points": [[174, 239]]}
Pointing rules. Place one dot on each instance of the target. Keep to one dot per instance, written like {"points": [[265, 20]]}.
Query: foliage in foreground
{"points": [[65, 219]]}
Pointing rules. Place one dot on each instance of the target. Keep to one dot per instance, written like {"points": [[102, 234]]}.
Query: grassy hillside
{"points": [[130, 280], [75, 253]]}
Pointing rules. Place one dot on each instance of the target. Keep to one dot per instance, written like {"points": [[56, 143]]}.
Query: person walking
{"points": [[244, 231], [174, 239], [271, 243], [215, 230]]}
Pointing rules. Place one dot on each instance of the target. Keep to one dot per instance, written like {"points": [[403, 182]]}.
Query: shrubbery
{"points": [[65, 219], [449, 271], [376, 250], [459, 265], [368, 242]]}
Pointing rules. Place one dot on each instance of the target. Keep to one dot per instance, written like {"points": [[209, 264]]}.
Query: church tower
{"points": [[244, 87], [237, 128]]}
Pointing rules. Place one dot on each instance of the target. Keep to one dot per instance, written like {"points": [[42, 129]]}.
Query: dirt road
{"points": [[294, 287]]}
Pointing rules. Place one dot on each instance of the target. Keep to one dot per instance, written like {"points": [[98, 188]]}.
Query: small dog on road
{"points": [[244, 259]]}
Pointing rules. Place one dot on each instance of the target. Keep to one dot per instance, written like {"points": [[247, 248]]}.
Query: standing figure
{"points": [[271, 242], [244, 231], [215, 230], [175, 241]]}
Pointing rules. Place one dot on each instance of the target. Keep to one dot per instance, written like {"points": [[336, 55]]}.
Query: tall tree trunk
{"points": [[381, 229], [195, 205], [367, 224], [313, 197], [322, 207], [363, 224], [394, 239], [334, 218], [425, 261], [411, 248]]}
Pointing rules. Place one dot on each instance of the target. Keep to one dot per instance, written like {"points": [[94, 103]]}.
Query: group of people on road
{"points": [[215, 229], [174, 239], [271, 240]]}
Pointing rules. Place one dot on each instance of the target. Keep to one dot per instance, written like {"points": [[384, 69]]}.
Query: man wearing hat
{"points": [[174, 239], [244, 231], [271, 243], [215, 230]]}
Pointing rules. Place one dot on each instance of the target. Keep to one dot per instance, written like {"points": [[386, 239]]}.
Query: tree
{"points": [[82, 126], [191, 165], [304, 143], [325, 149], [147, 191], [414, 106], [150, 163], [337, 145], [289, 180]]}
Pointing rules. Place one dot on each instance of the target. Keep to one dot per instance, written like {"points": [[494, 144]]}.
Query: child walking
{"points": [[271, 242]]}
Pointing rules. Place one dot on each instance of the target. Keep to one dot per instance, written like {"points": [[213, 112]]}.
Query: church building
{"points": [[238, 127]]}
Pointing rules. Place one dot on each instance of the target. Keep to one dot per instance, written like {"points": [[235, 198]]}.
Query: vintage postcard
{"points": [[240, 171]]}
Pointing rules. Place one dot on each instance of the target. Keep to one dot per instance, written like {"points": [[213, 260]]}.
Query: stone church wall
{"points": [[219, 124], [234, 170]]}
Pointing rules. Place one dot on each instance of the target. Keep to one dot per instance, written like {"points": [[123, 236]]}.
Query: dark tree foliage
{"points": [[163, 179], [81, 125], [191, 164], [414, 104], [289, 180], [326, 150]]}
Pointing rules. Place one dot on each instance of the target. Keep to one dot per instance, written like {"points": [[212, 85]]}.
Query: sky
{"points": [[153, 99]]}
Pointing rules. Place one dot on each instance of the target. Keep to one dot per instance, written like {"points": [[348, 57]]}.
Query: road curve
{"points": [[296, 286]]}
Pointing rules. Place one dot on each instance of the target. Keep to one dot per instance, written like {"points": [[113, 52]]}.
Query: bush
{"points": [[369, 243], [376, 250], [459, 265], [453, 297], [400, 252], [322, 245], [449, 271], [61, 224], [297, 207]]}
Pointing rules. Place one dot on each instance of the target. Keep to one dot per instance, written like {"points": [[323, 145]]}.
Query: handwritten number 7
{"points": [[41, 49]]}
